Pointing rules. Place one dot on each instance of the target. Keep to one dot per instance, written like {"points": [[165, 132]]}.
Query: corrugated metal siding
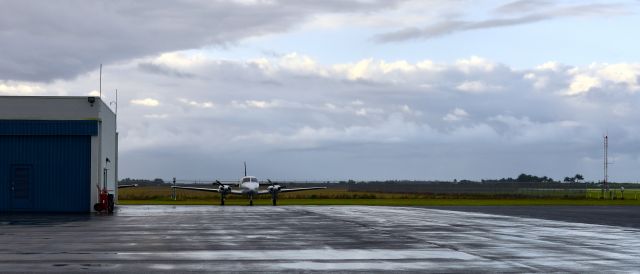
{"points": [[48, 127], [60, 167]]}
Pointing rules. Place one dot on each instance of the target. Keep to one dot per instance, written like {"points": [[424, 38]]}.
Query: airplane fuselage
{"points": [[249, 186]]}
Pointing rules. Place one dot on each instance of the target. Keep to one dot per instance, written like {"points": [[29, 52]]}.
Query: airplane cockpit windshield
{"points": [[247, 179], [254, 180]]}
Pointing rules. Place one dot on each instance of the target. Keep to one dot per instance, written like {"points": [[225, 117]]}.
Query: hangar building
{"points": [[54, 152]]}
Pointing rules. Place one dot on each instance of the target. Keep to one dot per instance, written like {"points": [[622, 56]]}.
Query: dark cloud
{"points": [[535, 11], [160, 69], [46, 40]]}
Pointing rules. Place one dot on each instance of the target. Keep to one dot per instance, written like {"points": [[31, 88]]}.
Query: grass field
{"points": [[339, 196], [616, 193]]}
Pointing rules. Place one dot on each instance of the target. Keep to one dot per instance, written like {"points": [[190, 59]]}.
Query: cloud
{"points": [[61, 40], [596, 75], [94, 93], [476, 87], [258, 104], [160, 69], [550, 65], [535, 132], [205, 104], [190, 107], [377, 124], [156, 116], [582, 83], [475, 63], [456, 114], [520, 6], [527, 12], [626, 74], [394, 129], [147, 102], [12, 88]]}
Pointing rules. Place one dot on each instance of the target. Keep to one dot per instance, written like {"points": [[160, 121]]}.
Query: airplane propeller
{"points": [[273, 184], [274, 190], [223, 190]]}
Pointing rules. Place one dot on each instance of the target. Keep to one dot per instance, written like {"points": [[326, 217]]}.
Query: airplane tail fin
{"points": [[245, 168]]}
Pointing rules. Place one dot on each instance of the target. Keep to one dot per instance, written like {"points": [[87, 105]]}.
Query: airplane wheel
{"points": [[251, 202], [274, 201], [221, 202]]}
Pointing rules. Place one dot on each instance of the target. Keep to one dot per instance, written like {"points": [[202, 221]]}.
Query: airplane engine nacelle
{"points": [[224, 189], [274, 188]]}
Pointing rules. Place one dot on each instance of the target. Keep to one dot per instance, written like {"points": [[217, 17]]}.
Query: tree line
{"points": [[522, 178]]}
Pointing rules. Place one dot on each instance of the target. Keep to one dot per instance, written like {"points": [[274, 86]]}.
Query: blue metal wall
{"points": [[48, 127], [58, 154]]}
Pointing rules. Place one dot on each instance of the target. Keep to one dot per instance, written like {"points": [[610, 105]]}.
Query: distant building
{"points": [[54, 151]]}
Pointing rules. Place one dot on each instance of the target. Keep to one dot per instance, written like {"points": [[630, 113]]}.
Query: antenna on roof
{"points": [[115, 102], [116, 111], [100, 81]]}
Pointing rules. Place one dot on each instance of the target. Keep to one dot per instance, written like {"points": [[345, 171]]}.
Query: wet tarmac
{"points": [[628, 216], [310, 238]]}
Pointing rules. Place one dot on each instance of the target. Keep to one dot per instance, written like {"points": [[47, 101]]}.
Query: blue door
{"points": [[21, 187], [45, 166]]}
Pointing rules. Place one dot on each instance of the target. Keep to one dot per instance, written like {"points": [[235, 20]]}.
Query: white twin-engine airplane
{"points": [[248, 186]]}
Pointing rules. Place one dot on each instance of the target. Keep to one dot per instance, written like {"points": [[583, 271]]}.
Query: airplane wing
{"points": [[300, 189], [227, 182], [126, 186], [206, 189], [196, 188], [291, 189]]}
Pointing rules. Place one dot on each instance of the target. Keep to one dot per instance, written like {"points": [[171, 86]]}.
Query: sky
{"points": [[343, 89]]}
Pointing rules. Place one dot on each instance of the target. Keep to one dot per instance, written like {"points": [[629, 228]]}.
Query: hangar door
{"points": [[45, 166], [19, 182]]}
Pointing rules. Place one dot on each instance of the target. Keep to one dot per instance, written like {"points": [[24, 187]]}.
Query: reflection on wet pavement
{"points": [[338, 238]]}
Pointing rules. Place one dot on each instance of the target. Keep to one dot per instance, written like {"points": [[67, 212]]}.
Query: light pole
{"points": [[105, 172], [174, 189]]}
